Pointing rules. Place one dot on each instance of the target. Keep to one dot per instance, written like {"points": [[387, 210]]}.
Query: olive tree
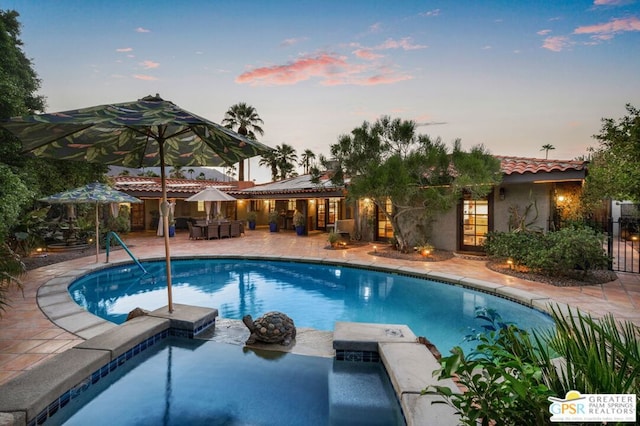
{"points": [[419, 175]]}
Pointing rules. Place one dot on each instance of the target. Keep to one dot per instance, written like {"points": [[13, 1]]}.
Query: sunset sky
{"points": [[512, 75]]}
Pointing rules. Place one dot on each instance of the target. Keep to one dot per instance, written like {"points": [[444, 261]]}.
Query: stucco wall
{"points": [[521, 196], [444, 231]]}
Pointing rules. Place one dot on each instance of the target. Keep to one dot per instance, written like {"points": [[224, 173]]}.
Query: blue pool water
{"points": [[196, 382], [314, 295]]}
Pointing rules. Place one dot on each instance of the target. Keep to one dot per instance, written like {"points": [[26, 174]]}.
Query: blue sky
{"points": [[512, 75]]}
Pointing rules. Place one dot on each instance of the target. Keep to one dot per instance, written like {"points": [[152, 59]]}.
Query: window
{"points": [[475, 222], [385, 228]]}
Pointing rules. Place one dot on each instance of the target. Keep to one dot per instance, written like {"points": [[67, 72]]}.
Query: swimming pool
{"points": [[314, 295], [196, 382]]}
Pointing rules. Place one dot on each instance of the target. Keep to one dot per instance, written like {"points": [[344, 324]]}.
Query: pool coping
{"points": [[55, 302]]}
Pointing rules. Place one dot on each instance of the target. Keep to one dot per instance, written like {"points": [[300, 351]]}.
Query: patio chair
{"points": [[213, 231], [234, 229], [225, 230], [195, 232]]}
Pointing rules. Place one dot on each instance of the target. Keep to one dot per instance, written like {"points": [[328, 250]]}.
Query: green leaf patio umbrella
{"points": [[149, 132], [97, 193]]}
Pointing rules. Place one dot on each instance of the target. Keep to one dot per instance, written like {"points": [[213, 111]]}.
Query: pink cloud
{"points": [[612, 27], [142, 30], [332, 70], [366, 54], [149, 64], [125, 49], [610, 2], [294, 72], [544, 32], [144, 77], [557, 43]]}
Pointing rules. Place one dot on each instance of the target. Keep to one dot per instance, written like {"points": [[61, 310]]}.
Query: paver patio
{"points": [[27, 337]]}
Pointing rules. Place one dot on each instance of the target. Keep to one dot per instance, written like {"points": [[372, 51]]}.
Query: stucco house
{"points": [[534, 193]]}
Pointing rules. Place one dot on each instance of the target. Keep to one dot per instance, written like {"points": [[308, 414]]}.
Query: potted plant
{"points": [[273, 221], [251, 218], [299, 222]]}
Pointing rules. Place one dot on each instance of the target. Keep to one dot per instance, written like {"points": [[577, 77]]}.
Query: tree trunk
{"points": [[241, 171]]}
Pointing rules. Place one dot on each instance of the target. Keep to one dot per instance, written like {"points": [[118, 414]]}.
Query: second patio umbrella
{"points": [[97, 193], [209, 195], [145, 133]]}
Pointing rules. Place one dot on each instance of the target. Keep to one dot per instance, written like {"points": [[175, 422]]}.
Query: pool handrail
{"points": [[124, 246]]}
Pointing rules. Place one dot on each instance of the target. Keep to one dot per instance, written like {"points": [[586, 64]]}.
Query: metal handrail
{"points": [[124, 246]]}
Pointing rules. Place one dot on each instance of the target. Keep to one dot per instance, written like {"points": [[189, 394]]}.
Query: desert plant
{"points": [[252, 216], [333, 238]]}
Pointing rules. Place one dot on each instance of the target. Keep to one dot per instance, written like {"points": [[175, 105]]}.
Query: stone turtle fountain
{"points": [[272, 327]]}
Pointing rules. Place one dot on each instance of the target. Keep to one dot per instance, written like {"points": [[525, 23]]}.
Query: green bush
{"points": [[555, 253], [569, 249], [511, 373], [517, 246], [503, 383]]}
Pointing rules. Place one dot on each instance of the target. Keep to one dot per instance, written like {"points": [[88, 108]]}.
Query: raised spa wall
{"points": [[39, 393]]}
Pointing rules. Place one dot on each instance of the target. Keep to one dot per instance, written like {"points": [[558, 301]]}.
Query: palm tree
{"points": [[177, 173], [246, 120], [286, 157], [546, 148], [269, 160], [306, 160]]}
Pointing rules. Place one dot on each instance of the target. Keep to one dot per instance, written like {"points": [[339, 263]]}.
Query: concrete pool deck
{"points": [[28, 337]]}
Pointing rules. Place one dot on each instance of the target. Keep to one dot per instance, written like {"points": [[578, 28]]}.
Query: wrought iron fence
{"points": [[622, 241]]}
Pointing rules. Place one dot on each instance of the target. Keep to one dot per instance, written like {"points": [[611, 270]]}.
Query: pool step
{"points": [[359, 394]]}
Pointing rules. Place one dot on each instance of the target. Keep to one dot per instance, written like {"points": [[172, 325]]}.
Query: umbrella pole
{"points": [[165, 225], [97, 234]]}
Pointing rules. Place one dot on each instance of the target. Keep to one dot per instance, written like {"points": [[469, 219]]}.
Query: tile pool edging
{"points": [[33, 397], [56, 303]]}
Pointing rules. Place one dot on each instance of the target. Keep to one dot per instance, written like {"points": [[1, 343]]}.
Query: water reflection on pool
{"points": [[314, 295]]}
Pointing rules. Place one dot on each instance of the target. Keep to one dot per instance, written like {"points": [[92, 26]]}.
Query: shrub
{"points": [[569, 249], [517, 246], [555, 253], [502, 386], [511, 373], [333, 238]]}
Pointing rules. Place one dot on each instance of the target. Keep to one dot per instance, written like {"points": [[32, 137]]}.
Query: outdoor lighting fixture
{"points": [[426, 252], [510, 263], [501, 193], [375, 249], [560, 198], [41, 252]]}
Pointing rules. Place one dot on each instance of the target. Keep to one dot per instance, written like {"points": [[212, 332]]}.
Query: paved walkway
{"points": [[27, 337]]}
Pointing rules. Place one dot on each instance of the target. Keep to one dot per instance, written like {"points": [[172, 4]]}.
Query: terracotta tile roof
{"points": [[522, 165], [153, 184]]}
